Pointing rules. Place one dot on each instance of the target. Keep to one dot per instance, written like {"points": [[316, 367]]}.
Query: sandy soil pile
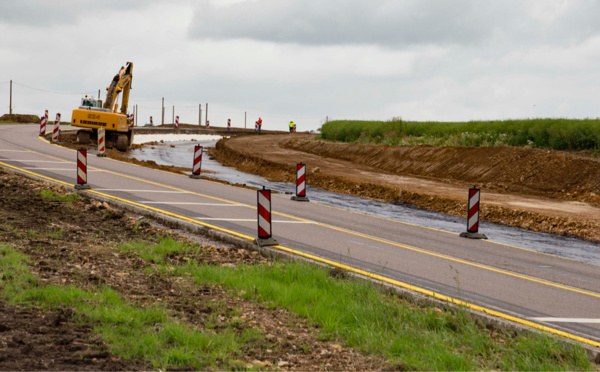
{"points": [[20, 118], [540, 190]]}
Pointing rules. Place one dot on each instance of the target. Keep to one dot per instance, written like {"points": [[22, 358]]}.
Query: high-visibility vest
{"points": [[291, 124]]}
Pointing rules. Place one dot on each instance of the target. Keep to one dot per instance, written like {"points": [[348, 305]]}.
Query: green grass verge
{"points": [[360, 315], [559, 134], [130, 331], [54, 196]]}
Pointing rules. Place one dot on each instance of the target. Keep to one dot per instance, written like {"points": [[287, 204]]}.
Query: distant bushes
{"points": [[559, 134]]}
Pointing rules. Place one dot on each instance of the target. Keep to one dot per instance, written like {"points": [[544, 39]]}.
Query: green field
{"points": [[558, 134]]}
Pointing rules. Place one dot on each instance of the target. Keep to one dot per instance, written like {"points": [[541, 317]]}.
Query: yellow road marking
{"points": [[346, 267]]}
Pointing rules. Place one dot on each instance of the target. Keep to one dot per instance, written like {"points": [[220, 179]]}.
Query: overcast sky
{"points": [[306, 59]]}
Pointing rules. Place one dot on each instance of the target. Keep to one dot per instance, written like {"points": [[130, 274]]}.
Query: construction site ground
{"points": [[536, 189]]}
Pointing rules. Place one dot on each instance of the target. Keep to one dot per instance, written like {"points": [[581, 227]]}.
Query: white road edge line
{"points": [[157, 191], [567, 320], [247, 220], [190, 203]]}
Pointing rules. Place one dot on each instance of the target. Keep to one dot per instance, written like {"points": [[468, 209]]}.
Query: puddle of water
{"points": [[183, 152], [145, 138]]}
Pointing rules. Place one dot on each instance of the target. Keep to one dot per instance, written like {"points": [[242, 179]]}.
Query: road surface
{"points": [[551, 293]]}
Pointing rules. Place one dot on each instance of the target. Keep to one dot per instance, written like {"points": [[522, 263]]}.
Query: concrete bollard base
{"points": [[472, 235], [196, 176], [84, 186], [101, 155], [300, 198], [265, 242]]}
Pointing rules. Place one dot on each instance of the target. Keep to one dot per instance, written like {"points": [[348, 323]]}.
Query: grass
{"points": [[353, 312], [130, 331], [55, 196], [558, 134]]}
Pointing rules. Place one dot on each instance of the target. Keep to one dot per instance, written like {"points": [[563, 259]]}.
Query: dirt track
{"points": [[540, 190]]}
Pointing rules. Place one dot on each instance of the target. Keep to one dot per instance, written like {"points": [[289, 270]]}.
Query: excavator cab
{"points": [[90, 102]]}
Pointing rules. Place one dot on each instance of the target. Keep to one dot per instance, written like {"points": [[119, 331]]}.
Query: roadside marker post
{"points": [[43, 122], [228, 124], [207, 124], [473, 215], [56, 130], [300, 183], [101, 142], [82, 170], [177, 121], [265, 233], [131, 120], [151, 122], [197, 165]]}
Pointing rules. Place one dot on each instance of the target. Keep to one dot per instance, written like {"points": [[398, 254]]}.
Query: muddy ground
{"points": [[540, 190], [75, 243]]}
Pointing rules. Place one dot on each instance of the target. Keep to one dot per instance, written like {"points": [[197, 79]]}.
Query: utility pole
{"points": [[10, 104], [245, 117], [162, 122], [98, 93], [200, 114], [206, 111], [173, 122]]}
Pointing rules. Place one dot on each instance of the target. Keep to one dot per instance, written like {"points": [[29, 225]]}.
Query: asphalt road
{"points": [[552, 293]]}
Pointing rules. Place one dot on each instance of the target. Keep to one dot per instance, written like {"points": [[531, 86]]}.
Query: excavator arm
{"points": [[120, 83]]}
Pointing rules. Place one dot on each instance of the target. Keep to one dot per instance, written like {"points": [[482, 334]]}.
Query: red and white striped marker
{"points": [[473, 215], [82, 170], [44, 120], [151, 122], [300, 183], [176, 121], [207, 124], [265, 233], [131, 120], [56, 130], [228, 124], [256, 126], [197, 162], [101, 142]]}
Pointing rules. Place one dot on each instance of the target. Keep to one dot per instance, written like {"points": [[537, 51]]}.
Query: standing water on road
{"points": [[180, 153]]}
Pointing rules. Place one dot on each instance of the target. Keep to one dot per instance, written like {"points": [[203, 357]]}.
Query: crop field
{"points": [[558, 134]]}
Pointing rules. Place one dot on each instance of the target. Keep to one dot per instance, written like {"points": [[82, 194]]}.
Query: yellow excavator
{"points": [[92, 114]]}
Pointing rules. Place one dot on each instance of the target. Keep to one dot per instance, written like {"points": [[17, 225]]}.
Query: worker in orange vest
{"points": [[259, 122]]}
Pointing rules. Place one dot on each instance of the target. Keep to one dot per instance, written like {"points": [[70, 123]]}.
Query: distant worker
{"points": [[259, 122], [292, 125]]}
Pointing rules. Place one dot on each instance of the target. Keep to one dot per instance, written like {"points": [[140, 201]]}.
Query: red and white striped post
{"points": [[300, 183], [177, 121], [207, 124], [82, 170], [197, 166], [151, 122], [228, 124], [101, 142], [265, 232], [473, 215], [131, 120], [256, 126], [56, 130], [43, 122]]}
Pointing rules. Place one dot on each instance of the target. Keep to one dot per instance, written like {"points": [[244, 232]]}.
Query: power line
{"points": [[50, 91]]}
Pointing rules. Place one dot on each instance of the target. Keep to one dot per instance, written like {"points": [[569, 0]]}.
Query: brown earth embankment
{"points": [[540, 190]]}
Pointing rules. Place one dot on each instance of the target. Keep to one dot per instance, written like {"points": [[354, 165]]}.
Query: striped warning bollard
{"points": [[131, 120], [56, 130], [151, 122], [207, 124], [265, 233], [197, 162], [300, 183], [82, 170], [176, 121], [101, 142], [228, 124], [256, 126], [473, 216], [43, 122]]}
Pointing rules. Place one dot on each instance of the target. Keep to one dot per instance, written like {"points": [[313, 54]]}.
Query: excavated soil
{"points": [[540, 190], [76, 243], [20, 118]]}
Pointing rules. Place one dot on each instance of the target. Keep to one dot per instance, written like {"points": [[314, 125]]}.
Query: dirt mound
{"points": [[551, 173], [20, 118], [539, 190]]}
